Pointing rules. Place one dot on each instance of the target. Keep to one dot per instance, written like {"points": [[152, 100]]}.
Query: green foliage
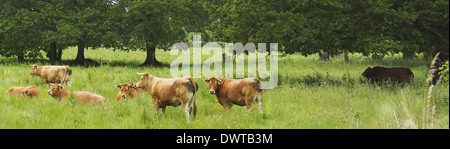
{"points": [[18, 29], [335, 26], [33, 25], [308, 27], [150, 24]]}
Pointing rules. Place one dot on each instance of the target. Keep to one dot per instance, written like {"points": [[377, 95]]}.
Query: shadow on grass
{"points": [[87, 63]]}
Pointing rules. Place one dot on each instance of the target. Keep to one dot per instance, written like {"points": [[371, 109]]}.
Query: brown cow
{"points": [[59, 92], [170, 92], [237, 91], [127, 89], [52, 74], [28, 91], [399, 74]]}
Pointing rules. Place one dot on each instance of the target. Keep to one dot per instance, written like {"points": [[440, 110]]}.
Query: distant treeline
{"points": [[328, 27]]}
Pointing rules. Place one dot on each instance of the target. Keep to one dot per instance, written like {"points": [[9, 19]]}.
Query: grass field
{"points": [[311, 94]]}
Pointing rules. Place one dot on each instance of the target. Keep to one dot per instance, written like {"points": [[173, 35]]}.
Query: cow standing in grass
{"points": [[28, 91], [59, 92], [242, 92], [52, 74], [170, 92], [398, 74]]}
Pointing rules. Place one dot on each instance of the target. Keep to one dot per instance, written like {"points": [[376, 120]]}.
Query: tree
{"points": [[298, 26], [18, 29], [335, 26], [33, 25], [151, 24], [82, 23]]}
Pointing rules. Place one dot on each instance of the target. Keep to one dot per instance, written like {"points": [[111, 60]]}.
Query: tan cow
{"points": [[28, 91], [52, 74], [59, 92], [127, 90], [242, 92], [170, 92]]}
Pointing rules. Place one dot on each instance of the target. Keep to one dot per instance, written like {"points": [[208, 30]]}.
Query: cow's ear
{"points": [[206, 81], [219, 81], [119, 86]]}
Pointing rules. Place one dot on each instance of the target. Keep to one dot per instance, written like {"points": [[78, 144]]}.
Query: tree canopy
{"points": [[307, 27], [335, 26]]}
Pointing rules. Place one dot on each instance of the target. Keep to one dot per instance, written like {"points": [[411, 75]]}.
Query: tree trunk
{"points": [[324, 56], [407, 55], [59, 55], [80, 53], [346, 56], [53, 53], [151, 57], [376, 57], [20, 58]]}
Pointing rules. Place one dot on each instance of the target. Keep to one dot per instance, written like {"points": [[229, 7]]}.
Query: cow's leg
{"points": [[249, 102], [186, 109], [63, 82], [249, 99], [259, 101], [156, 110], [223, 103], [156, 106], [192, 105], [163, 110], [229, 105]]}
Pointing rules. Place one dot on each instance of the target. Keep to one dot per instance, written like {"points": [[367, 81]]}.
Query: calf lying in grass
{"points": [[28, 91], [59, 92]]}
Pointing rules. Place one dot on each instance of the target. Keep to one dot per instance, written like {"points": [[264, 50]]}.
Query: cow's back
{"points": [[399, 74], [52, 72], [87, 97], [15, 90]]}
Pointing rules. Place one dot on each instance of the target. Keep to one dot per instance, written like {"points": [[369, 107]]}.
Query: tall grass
{"points": [[311, 94]]}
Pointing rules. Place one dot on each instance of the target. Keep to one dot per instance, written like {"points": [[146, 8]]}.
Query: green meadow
{"points": [[310, 94]]}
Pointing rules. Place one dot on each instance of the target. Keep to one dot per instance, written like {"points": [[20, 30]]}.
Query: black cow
{"points": [[399, 74]]}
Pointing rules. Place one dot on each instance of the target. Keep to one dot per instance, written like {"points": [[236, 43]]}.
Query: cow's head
{"points": [[145, 80], [125, 88], [55, 90], [367, 73], [213, 84], [33, 70]]}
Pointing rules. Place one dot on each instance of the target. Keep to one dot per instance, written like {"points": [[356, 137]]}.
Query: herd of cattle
{"points": [[180, 91]]}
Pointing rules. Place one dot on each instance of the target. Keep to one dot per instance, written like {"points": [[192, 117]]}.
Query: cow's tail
{"points": [[195, 95], [261, 88], [260, 95]]}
